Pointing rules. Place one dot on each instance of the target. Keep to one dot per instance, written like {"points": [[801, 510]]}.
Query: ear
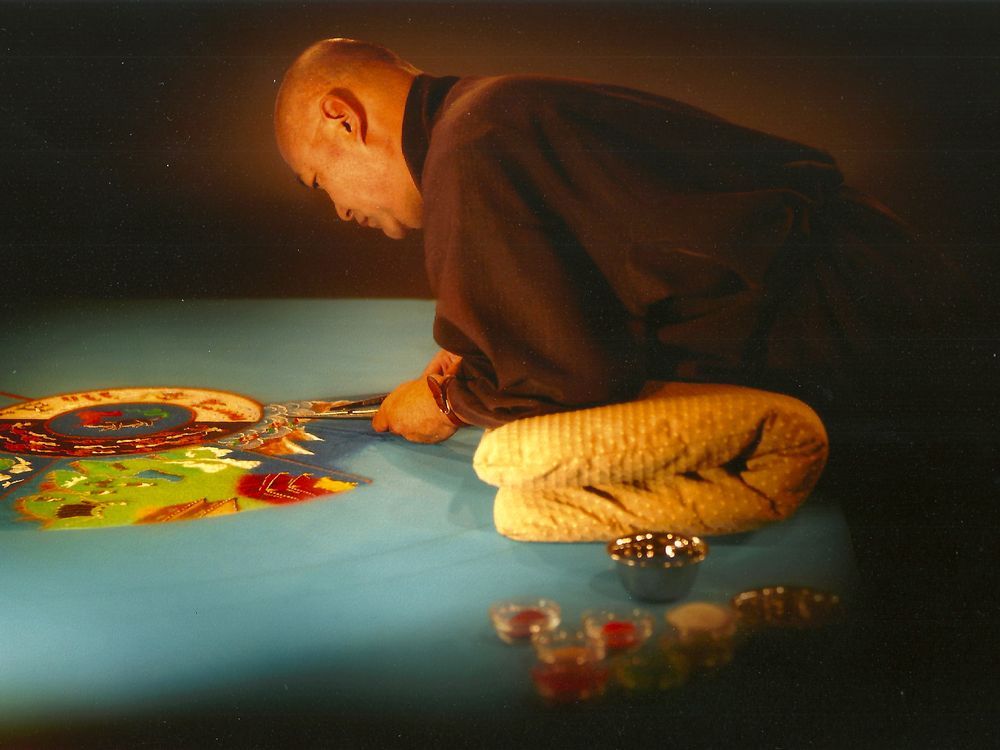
{"points": [[345, 112]]}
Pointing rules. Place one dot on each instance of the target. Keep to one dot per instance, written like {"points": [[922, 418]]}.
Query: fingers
{"points": [[453, 365], [382, 421], [426, 438], [436, 365], [411, 412], [421, 434], [443, 363], [379, 421]]}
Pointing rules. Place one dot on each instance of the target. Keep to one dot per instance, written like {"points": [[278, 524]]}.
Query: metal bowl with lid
{"points": [[657, 566]]}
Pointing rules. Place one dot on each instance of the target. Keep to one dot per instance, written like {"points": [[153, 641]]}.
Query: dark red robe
{"points": [[582, 239]]}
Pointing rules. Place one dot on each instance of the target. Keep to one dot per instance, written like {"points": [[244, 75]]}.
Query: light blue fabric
{"points": [[372, 600]]}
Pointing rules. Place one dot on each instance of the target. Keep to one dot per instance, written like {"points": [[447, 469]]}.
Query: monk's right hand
{"points": [[443, 363], [411, 412]]}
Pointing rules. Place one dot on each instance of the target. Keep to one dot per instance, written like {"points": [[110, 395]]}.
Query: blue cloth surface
{"points": [[373, 600]]}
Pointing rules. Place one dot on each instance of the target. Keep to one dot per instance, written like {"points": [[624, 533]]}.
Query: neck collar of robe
{"points": [[422, 105]]}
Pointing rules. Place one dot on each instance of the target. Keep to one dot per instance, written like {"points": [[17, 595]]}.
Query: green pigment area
{"points": [[96, 493], [13, 469]]}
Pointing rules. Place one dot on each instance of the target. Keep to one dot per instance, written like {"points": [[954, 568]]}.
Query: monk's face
{"points": [[367, 179]]}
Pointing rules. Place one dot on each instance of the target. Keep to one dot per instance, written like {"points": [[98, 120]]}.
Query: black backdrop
{"points": [[136, 160], [136, 155]]}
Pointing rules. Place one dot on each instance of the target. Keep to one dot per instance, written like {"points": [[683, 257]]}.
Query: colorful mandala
{"points": [[182, 484], [123, 421], [137, 456]]}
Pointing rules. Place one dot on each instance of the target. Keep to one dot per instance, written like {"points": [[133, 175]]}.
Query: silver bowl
{"points": [[657, 566]]}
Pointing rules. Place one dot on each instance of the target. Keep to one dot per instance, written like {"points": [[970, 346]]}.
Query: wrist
{"points": [[439, 390]]}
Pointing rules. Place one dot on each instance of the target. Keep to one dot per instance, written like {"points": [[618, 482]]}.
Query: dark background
{"points": [[137, 160], [136, 155]]}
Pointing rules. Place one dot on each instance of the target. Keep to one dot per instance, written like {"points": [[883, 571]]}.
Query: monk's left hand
{"points": [[410, 411]]}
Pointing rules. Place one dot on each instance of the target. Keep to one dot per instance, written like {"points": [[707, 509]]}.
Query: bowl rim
{"points": [[697, 545]]}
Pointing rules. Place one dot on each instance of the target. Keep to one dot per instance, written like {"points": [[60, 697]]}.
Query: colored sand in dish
{"points": [[702, 620], [524, 622], [653, 670], [619, 634], [567, 680], [705, 633], [517, 621], [569, 655]]}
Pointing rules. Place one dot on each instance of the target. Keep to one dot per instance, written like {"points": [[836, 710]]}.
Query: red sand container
{"points": [[517, 621], [618, 631], [570, 667]]}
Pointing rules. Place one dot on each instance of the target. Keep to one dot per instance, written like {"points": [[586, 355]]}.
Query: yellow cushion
{"points": [[694, 458]]}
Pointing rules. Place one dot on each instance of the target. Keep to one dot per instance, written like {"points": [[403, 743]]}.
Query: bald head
{"points": [[338, 122], [329, 65], [333, 56]]}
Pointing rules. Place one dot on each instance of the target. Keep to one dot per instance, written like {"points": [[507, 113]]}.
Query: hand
{"points": [[410, 411], [443, 363]]}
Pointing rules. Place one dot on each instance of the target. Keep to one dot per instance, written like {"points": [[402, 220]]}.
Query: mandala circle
{"points": [[123, 421], [119, 420]]}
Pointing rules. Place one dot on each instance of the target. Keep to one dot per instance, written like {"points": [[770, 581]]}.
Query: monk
{"points": [[582, 239]]}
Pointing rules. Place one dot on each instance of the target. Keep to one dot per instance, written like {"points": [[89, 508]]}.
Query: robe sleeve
{"points": [[537, 324], [582, 238]]}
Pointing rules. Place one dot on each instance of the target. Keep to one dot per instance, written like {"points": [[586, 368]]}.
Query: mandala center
{"points": [[108, 420]]}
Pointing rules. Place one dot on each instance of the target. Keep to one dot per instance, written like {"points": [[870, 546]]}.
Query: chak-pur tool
{"points": [[364, 409]]}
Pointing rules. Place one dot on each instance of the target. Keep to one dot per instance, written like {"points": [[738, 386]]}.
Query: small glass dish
{"points": [[657, 566], [618, 630], [787, 607], [570, 666], [566, 647], [702, 620], [653, 668], [569, 682], [703, 632], [518, 620]]}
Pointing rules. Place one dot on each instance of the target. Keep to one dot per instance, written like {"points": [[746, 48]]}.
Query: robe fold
{"points": [[582, 239]]}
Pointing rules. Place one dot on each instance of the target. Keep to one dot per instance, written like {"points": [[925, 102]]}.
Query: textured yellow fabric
{"points": [[693, 458]]}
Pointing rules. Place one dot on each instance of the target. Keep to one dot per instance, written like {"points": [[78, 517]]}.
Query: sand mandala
{"points": [[154, 455], [122, 421]]}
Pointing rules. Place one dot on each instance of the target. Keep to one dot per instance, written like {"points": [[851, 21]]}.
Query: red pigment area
{"points": [[567, 681], [522, 623], [619, 634], [92, 418], [280, 488]]}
